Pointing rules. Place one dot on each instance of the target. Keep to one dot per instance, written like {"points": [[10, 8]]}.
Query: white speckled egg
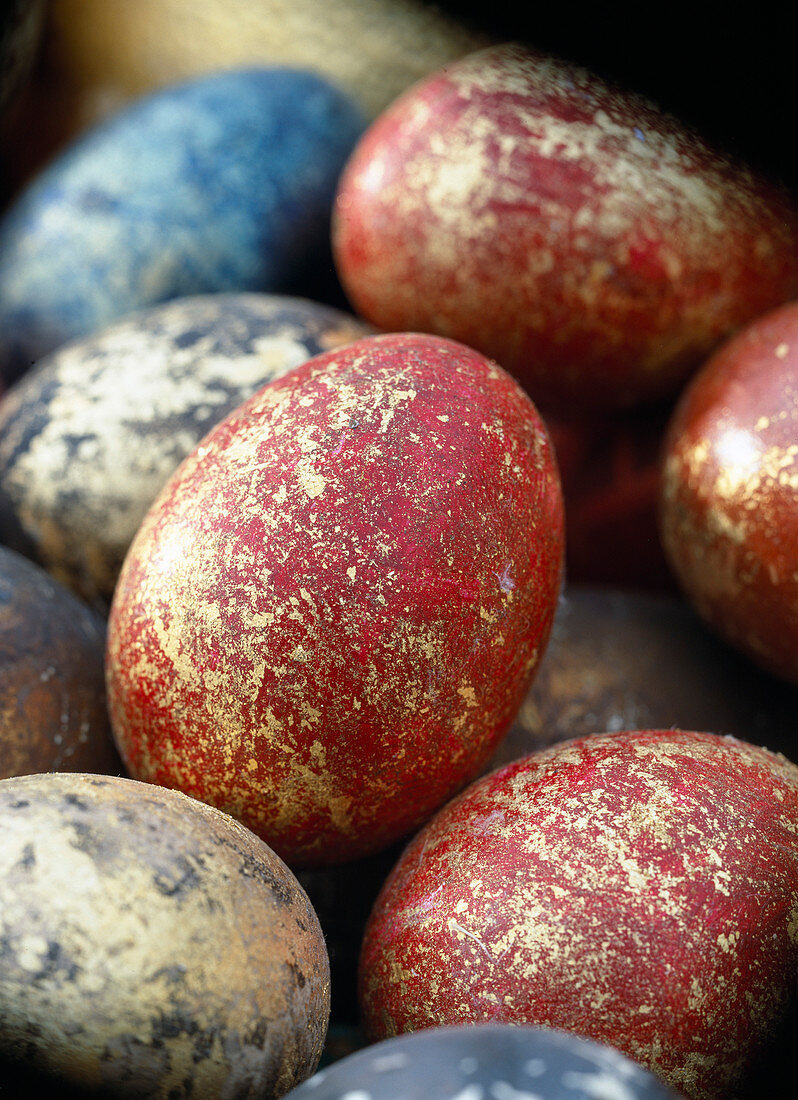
{"points": [[91, 434]]}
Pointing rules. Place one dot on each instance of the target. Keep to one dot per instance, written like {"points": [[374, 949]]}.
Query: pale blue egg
{"points": [[224, 183]]}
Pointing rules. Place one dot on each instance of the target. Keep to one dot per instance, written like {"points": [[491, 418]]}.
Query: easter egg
{"points": [[331, 614], [570, 230], [53, 715], [90, 435], [152, 946], [619, 659], [223, 183], [488, 1060], [729, 501], [638, 888]]}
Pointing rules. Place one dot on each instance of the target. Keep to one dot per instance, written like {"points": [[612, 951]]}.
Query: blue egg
{"points": [[224, 183], [485, 1062]]}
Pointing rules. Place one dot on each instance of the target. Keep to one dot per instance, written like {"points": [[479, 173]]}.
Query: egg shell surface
{"points": [[152, 946], [501, 1061], [331, 614], [53, 714], [90, 435], [222, 183], [620, 659], [729, 497], [570, 230], [637, 888]]}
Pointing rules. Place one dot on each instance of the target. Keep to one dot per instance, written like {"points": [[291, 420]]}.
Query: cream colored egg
{"points": [[373, 49], [151, 946]]}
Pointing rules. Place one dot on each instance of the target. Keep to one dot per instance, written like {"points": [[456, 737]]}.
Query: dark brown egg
{"points": [[624, 659], [53, 715]]}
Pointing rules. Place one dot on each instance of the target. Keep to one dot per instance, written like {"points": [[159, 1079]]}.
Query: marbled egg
{"points": [[152, 946], [91, 434], [224, 183], [53, 715], [588, 242], [496, 1061]]}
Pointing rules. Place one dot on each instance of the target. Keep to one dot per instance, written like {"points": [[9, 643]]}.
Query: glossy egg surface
{"points": [[729, 500], [637, 888], [331, 614], [586, 241], [490, 1060]]}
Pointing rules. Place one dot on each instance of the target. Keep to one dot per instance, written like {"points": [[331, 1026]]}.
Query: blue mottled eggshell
{"points": [[485, 1062], [224, 183]]}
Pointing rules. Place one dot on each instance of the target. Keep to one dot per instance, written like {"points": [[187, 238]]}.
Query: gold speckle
{"points": [[311, 481]]}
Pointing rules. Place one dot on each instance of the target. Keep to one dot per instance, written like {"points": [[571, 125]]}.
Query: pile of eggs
{"points": [[316, 727]]}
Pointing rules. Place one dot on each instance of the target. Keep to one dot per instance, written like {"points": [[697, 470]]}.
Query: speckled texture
{"points": [[53, 715], [637, 888], [620, 659], [221, 184], [729, 509], [488, 1062], [89, 436], [571, 231], [152, 945], [331, 614]]}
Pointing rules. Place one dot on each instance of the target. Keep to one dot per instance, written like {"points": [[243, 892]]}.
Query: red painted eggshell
{"points": [[729, 512], [330, 617], [639, 889], [587, 241]]}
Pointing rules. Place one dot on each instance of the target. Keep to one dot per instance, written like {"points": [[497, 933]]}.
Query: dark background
{"points": [[731, 74]]}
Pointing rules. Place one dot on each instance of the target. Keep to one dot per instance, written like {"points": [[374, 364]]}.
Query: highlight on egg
{"points": [[330, 616], [593, 245]]}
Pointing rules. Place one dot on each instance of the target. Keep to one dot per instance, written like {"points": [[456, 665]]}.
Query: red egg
{"points": [[590, 243], [331, 615], [639, 889], [729, 509]]}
